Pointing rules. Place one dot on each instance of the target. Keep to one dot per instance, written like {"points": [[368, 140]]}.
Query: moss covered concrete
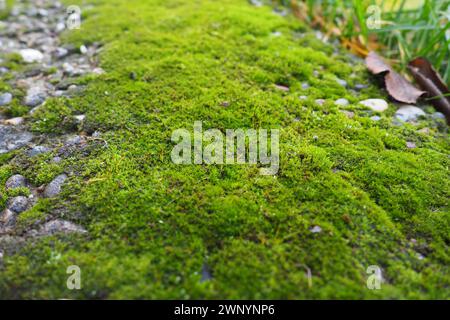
{"points": [[153, 225]]}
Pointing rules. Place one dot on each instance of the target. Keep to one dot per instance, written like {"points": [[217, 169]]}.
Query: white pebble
{"points": [[378, 105]]}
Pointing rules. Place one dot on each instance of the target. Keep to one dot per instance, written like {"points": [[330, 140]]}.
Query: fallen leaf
{"points": [[430, 81], [397, 86]]}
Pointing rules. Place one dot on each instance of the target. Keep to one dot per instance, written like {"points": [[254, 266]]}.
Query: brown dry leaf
{"points": [[398, 87], [355, 46], [430, 81]]}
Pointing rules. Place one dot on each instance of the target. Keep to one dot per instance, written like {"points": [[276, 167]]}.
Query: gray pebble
{"points": [[438, 115], [79, 118], [7, 218], [408, 113], [35, 96], [378, 105], [349, 114], [56, 160], [61, 52], [15, 181], [59, 226], [18, 204], [73, 140], [256, 3], [360, 87], [206, 273], [5, 99], [316, 229], [410, 145], [11, 138], [376, 118], [31, 55], [341, 102], [341, 82], [3, 70], [54, 187], [36, 150], [320, 102]]}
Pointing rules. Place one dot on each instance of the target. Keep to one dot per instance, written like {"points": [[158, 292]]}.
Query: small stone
{"points": [[54, 187], [31, 55], [14, 121], [56, 160], [360, 87], [424, 130], [68, 68], [281, 87], [42, 12], [15, 181], [8, 218], [98, 71], [407, 113], [341, 102], [410, 145], [256, 3], [33, 72], [5, 99], [316, 229], [64, 85], [60, 26], [276, 34], [320, 102], [206, 273], [83, 49], [3, 70], [74, 140], [18, 204], [79, 118], [375, 118], [303, 97], [59, 226], [11, 138], [319, 35], [341, 82], [438, 115], [349, 114], [36, 150], [61, 52], [378, 105], [225, 104], [305, 85], [35, 96], [280, 12]]}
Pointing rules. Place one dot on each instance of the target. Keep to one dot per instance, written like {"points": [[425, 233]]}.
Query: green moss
{"points": [[21, 191], [53, 117], [34, 215], [153, 224]]}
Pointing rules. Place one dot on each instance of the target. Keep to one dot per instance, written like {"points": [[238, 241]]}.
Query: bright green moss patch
{"points": [[53, 117], [153, 225]]}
